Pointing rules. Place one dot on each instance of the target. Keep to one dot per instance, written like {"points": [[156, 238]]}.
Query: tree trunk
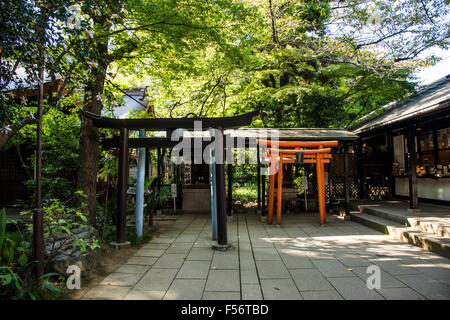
{"points": [[88, 163], [273, 24], [89, 151]]}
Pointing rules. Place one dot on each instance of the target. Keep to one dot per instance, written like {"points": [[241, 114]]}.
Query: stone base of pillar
{"points": [[120, 245], [222, 247], [345, 217]]}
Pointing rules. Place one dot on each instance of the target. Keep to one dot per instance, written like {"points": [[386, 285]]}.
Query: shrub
{"points": [[248, 193], [16, 281]]}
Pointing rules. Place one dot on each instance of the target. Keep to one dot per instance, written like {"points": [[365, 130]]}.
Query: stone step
{"points": [[426, 240], [380, 224], [431, 226], [423, 224], [384, 213]]}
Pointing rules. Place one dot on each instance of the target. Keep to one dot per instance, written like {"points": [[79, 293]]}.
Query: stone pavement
{"points": [[300, 260]]}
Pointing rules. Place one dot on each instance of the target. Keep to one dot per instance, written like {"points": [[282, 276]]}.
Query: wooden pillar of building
{"points": [[390, 150], [346, 181], [361, 179], [122, 187], [412, 173]]}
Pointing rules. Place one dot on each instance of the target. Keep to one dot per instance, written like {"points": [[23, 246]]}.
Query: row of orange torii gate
{"points": [[281, 152]]}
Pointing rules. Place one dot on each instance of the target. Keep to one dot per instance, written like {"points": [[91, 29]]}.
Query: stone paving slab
{"points": [[185, 289], [400, 294], [354, 261], [280, 289], [194, 270], [214, 295], [332, 268], [145, 295], [249, 276], [310, 280], [132, 268], [225, 260], [156, 280], [156, 246], [149, 253], [300, 260], [353, 288], [162, 240], [180, 247], [106, 293], [266, 253], [395, 267], [121, 279], [387, 281], [223, 280], [321, 295], [200, 254], [147, 261], [426, 286], [272, 270], [251, 292], [294, 259], [170, 261]]}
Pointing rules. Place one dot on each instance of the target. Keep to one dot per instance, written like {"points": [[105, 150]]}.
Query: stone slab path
{"points": [[300, 260]]}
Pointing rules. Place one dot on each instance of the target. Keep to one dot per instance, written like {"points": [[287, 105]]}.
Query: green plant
{"points": [[245, 193], [164, 196], [298, 184], [135, 240], [16, 281], [60, 222]]}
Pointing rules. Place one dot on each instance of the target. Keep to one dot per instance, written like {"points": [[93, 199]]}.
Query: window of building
{"points": [[443, 145], [426, 149]]}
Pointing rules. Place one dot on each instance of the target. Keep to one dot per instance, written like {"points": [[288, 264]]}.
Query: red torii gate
{"points": [[319, 156]]}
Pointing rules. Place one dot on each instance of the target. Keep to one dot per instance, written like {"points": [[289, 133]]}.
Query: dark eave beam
{"points": [[162, 124]]}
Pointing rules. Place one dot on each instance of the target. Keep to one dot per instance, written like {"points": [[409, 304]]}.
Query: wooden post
{"points": [[258, 168], [390, 150], [263, 191], [412, 173], [158, 177], [212, 168], [230, 188], [38, 220], [122, 187], [320, 187], [271, 189], [221, 201], [346, 182], [330, 182], [361, 179], [279, 189]]}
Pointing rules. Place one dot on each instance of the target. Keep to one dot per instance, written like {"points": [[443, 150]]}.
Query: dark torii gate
{"points": [[166, 124]]}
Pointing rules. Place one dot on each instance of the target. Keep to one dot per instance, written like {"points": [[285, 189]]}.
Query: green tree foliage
{"points": [[60, 132], [314, 63]]}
